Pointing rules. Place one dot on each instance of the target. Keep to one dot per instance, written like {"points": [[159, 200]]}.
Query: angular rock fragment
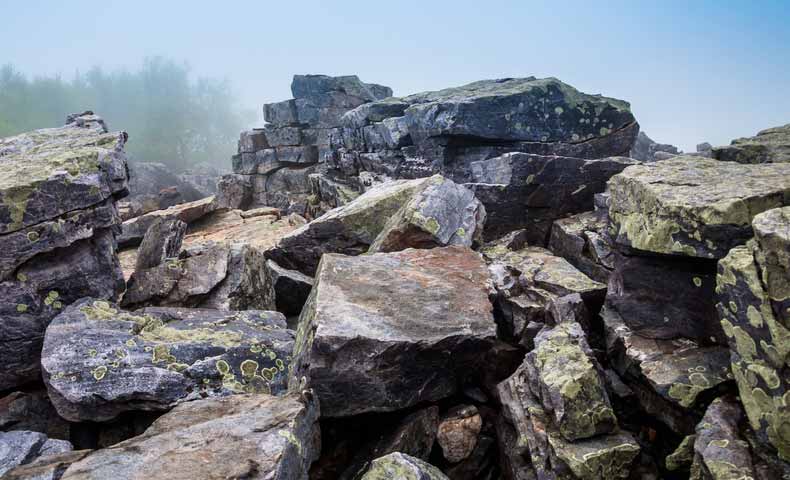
{"points": [[49, 467], [99, 361], [693, 206], [674, 380], [241, 436], [581, 240], [154, 186], [291, 288], [768, 146], [19, 447], [33, 411], [385, 331], [646, 150], [133, 230], [396, 466], [458, 432], [161, 241]]}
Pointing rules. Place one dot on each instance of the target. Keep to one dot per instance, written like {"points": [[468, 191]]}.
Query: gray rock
{"points": [[385, 331], [264, 436], [33, 411], [768, 146], [134, 230], [396, 466], [234, 191], [581, 239], [291, 288], [646, 150], [50, 467], [314, 86], [99, 361], [154, 186], [279, 137], [250, 141], [20, 447], [161, 241]]}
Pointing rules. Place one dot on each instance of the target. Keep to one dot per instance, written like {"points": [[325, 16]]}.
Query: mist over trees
{"points": [[171, 118]]}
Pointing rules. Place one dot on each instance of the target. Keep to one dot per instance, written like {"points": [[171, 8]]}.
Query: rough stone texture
{"points": [[581, 240], [565, 377], [349, 229], [397, 466], [693, 206], [20, 447], [768, 146], [99, 361], [528, 280], [133, 230], [552, 456], [33, 411], [674, 380], [529, 191], [291, 288], [752, 287], [161, 241], [646, 150], [385, 331], [242, 436], [49, 467], [458, 432], [442, 213], [153, 186]]}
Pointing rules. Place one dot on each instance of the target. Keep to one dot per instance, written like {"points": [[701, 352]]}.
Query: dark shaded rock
{"points": [[234, 191], [134, 230], [458, 432], [161, 241], [683, 456], [768, 146], [241, 436], [383, 332], [581, 239], [720, 452], [20, 447], [646, 150], [290, 287], [154, 186], [99, 361], [32, 411], [514, 459], [50, 467], [396, 466], [674, 380], [522, 190]]}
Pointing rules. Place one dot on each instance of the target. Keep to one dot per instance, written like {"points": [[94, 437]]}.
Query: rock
{"points": [[41, 288], [386, 331], [581, 240], [442, 213], [291, 288], [693, 206], [349, 229], [134, 230], [720, 452], [683, 456], [49, 467], [161, 241], [234, 191], [674, 380], [768, 146], [458, 431], [602, 456], [21, 447], [646, 150], [315, 87], [514, 459], [753, 297], [99, 361], [153, 186], [396, 466], [266, 436], [522, 190], [32, 411], [414, 435]]}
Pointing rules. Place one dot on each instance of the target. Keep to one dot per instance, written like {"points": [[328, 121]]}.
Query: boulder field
{"points": [[501, 280]]}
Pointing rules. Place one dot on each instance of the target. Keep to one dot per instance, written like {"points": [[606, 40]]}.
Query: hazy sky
{"points": [[692, 70]]}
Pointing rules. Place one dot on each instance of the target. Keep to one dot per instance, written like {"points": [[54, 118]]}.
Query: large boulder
{"points": [[398, 466], [241, 436], [385, 331], [768, 146], [99, 361]]}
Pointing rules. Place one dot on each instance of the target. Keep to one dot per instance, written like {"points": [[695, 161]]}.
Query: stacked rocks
{"points": [[771, 145]]}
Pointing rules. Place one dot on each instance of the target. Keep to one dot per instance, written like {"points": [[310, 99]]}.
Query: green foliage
{"points": [[170, 118]]}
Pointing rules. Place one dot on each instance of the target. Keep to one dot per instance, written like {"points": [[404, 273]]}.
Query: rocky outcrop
{"points": [[134, 229], [646, 150], [401, 466], [385, 331], [422, 213], [22, 447], [768, 146], [57, 214], [582, 240], [241, 436], [153, 186], [99, 361]]}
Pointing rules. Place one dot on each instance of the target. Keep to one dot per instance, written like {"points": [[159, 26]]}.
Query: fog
{"points": [[184, 77]]}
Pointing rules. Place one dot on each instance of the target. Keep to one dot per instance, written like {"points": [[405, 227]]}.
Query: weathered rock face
{"points": [[32, 411], [241, 436], [153, 186], [20, 447], [458, 432], [291, 288], [401, 466], [48, 467], [161, 241], [57, 213], [768, 146], [382, 332], [646, 150], [134, 229], [753, 292], [99, 361], [581, 240], [421, 213]]}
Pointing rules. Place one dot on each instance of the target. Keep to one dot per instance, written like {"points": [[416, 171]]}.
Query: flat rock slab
{"points": [[693, 206], [99, 361], [133, 230], [768, 146], [49, 172], [385, 331], [242, 436]]}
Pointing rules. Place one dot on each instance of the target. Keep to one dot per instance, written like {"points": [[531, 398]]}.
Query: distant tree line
{"points": [[170, 117]]}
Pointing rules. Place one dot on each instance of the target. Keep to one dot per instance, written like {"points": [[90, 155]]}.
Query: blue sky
{"points": [[693, 70]]}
